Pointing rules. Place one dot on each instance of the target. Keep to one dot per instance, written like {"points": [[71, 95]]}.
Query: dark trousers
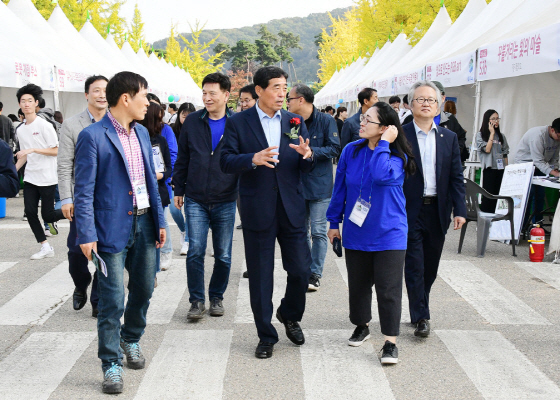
{"points": [[424, 247], [384, 269], [31, 196], [492, 180], [78, 266], [296, 260], [535, 202]]}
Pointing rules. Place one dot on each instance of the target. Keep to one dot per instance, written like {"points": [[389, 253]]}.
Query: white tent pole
{"points": [[471, 169], [55, 93]]}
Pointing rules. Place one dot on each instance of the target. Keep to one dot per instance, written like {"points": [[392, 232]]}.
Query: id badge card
{"points": [[360, 212], [141, 192], [500, 163], [159, 165]]}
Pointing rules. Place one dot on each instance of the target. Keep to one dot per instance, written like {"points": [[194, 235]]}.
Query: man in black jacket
{"points": [[209, 195], [9, 182], [449, 121]]}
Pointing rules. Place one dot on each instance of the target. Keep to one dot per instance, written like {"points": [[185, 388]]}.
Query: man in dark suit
{"points": [[351, 128], [269, 147], [119, 217], [431, 194]]}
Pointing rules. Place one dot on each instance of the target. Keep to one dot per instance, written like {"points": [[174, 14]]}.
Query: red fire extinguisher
{"points": [[536, 244]]}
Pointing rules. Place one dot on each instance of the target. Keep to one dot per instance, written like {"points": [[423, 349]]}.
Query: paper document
{"points": [[99, 263]]}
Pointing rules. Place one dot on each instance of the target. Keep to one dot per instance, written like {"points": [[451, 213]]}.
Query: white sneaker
{"points": [[185, 248], [165, 261], [183, 237], [48, 233], [44, 253]]}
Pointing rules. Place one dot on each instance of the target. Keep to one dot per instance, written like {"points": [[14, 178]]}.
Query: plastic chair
{"points": [[484, 220]]}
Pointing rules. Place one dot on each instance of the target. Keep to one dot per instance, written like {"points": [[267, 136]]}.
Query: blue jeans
{"points": [[139, 259], [179, 218], [221, 218], [168, 246], [317, 233]]}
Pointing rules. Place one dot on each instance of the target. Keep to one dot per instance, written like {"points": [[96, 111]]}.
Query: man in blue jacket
{"points": [[269, 147], [317, 184], [209, 195], [351, 128], [119, 219], [432, 193]]}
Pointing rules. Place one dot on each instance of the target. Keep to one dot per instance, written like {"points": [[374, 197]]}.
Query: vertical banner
{"points": [[452, 72], [529, 53]]}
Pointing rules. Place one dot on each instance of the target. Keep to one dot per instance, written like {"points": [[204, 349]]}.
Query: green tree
{"points": [[266, 54], [242, 54], [268, 36], [223, 51]]}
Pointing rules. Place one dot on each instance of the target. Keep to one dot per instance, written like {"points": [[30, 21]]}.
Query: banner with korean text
{"points": [[452, 72], [403, 82], [529, 53], [385, 87]]}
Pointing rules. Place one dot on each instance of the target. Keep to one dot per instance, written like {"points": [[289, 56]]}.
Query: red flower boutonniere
{"points": [[295, 124]]}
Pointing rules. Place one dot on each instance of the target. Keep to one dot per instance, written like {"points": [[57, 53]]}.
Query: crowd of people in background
{"points": [[118, 168]]}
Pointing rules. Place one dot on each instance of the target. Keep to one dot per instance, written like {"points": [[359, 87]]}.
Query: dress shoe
{"points": [[293, 330], [264, 350], [246, 274], [422, 328], [79, 299], [94, 312]]}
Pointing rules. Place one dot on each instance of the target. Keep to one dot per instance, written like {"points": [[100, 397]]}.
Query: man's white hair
{"points": [[420, 84]]}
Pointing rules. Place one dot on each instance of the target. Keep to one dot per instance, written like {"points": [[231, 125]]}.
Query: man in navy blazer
{"points": [[120, 222], [431, 194], [269, 148]]}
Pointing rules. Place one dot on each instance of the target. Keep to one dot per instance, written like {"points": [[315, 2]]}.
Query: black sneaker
{"points": [[389, 353], [360, 335], [134, 357], [246, 274], [314, 283], [113, 380], [216, 307], [197, 310]]}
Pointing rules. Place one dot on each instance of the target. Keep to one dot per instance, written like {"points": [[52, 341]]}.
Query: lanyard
{"points": [[362, 180]]}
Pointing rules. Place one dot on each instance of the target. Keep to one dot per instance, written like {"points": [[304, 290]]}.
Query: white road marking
{"points": [[36, 368], [4, 266], [550, 273], [171, 287], [496, 367], [189, 364], [493, 302], [36, 303], [334, 370]]}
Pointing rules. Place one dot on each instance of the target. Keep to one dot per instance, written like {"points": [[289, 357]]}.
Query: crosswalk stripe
{"points": [[244, 314], [189, 364], [65, 225], [4, 266], [36, 368], [36, 303], [550, 273], [493, 302], [405, 315], [334, 370], [496, 367], [171, 287]]}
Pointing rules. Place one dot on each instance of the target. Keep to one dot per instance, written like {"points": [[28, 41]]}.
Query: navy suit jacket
{"points": [[103, 192], [259, 187], [9, 182], [449, 176]]}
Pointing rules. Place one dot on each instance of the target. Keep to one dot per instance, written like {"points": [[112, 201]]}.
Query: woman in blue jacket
{"points": [[368, 200]]}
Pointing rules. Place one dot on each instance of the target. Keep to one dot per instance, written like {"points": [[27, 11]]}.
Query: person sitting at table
{"points": [[493, 150], [539, 145]]}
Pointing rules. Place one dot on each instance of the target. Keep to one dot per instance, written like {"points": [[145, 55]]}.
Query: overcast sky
{"points": [[220, 14]]}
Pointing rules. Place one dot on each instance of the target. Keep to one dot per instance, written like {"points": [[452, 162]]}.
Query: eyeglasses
{"points": [[494, 119], [363, 119], [288, 99], [422, 100]]}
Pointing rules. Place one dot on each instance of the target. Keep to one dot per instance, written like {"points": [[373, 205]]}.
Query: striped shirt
{"points": [[133, 153]]}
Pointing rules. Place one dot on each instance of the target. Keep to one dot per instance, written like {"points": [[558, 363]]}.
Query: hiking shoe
{"points": [[360, 335], [389, 353], [134, 357], [216, 307], [113, 380], [53, 228], [314, 283], [184, 248], [196, 311], [45, 252]]}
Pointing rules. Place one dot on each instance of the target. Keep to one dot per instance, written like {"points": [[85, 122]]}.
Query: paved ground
{"points": [[496, 334]]}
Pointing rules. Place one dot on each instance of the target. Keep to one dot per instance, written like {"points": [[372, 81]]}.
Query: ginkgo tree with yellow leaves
{"points": [[371, 23], [194, 57]]}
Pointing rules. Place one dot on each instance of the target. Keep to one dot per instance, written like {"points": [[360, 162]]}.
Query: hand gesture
{"points": [[302, 148], [390, 134], [162, 237], [491, 128], [265, 157]]}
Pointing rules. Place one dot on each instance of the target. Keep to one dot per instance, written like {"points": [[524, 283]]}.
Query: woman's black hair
{"points": [[400, 147], [177, 125], [339, 111], [152, 121], [485, 130]]}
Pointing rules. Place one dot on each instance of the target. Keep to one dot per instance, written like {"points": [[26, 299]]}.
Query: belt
{"points": [[429, 200], [140, 211]]}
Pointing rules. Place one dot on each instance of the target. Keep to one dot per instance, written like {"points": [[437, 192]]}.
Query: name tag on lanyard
{"points": [[360, 212]]}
